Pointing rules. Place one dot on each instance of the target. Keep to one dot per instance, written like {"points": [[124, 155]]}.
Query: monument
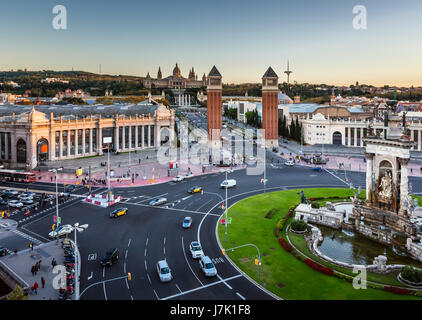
{"points": [[385, 216]]}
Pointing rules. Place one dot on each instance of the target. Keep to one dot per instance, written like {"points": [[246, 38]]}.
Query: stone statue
{"points": [[355, 199], [381, 263], [386, 186], [303, 198]]}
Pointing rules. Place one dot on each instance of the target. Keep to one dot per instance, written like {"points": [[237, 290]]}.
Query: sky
{"points": [[241, 37]]}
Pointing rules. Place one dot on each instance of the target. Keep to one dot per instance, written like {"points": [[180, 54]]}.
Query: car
{"points": [[27, 200], [8, 195], [228, 184], [207, 267], [158, 201], [119, 212], [15, 204], [164, 272], [289, 163], [187, 222], [61, 231], [319, 169], [195, 250], [178, 178], [111, 256], [188, 175], [24, 195], [3, 251], [70, 187], [195, 189], [14, 192]]}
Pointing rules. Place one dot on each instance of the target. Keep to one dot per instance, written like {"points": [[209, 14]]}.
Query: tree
{"points": [[17, 294]]}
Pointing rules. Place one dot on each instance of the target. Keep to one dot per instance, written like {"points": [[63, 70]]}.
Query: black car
{"points": [[3, 251], [111, 256]]}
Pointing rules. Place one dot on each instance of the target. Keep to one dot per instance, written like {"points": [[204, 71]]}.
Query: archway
{"points": [[42, 150], [337, 138], [21, 151]]}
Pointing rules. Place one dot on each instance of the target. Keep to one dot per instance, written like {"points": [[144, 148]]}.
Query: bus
{"points": [[17, 176]]}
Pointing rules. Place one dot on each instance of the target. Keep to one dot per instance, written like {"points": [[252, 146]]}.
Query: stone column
{"points": [[60, 144], [412, 136], [123, 137], [116, 138], [6, 146], [100, 140], [136, 137], [369, 171], [404, 183], [143, 136], [76, 142], [130, 137], [356, 137], [68, 143], [149, 136], [83, 141], [90, 140], [419, 140]]}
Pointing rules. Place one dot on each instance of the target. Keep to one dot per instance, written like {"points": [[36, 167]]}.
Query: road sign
{"points": [[257, 262], [54, 218], [223, 221], [229, 220], [107, 139]]}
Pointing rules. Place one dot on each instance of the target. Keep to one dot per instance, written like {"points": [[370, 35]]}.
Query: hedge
{"points": [[286, 246], [318, 267], [396, 290]]}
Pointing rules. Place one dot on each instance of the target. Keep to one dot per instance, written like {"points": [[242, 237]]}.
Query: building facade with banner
{"points": [[32, 136]]}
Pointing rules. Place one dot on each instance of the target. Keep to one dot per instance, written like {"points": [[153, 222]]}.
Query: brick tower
{"points": [[214, 107], [270, 108]]}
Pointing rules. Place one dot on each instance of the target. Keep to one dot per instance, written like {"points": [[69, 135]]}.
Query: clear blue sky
{"points": [[241, 37]]}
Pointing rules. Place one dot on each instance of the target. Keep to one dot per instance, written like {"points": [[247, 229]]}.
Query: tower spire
{"points": [[288, 72]]}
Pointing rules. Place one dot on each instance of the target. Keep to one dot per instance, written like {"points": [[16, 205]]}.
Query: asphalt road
{"points": [[148, 234]]}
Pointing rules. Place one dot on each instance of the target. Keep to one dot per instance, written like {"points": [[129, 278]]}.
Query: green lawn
{"points": [[282, 273]]}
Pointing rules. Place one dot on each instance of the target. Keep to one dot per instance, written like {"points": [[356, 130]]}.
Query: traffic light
{"points": [[224, 252], [53, 227], [347, 179], [129, 276]]}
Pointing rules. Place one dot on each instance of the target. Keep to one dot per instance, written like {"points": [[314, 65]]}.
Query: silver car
{"points": [[195, 250], [164, 272], [158, 201], [207, 266]]}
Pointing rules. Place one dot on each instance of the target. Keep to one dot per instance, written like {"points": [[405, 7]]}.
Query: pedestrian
{"points": [[36, 287], [33, 270], [15, 251], [42, 282], [53, 263], [51, 178], [31, 245]]}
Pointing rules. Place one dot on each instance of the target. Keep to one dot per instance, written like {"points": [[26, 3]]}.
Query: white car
{"points": [[27, 200], [61, 231], [289, 163], [207, 267], [15, 204], [228, 184], [188, 175], [195, 250], [164, 272], [178, 178], [11, 191], [25, 195]]}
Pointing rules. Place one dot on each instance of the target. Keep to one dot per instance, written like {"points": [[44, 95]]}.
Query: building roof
{"points": [[270, 73], [214, 72]]}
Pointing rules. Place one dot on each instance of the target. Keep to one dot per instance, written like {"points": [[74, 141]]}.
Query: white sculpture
{"points": [[386, 186], [381, 263]]}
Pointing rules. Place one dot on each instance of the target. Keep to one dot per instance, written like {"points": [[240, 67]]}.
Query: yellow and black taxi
{"points": [[195, 189], [119, 212]]}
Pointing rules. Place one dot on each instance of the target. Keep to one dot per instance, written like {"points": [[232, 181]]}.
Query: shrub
{"points": [[412, 274], [315, 205], [299, 225], [318, 267], [271, 213], [396, 290], [286, 246], [277, 232]]}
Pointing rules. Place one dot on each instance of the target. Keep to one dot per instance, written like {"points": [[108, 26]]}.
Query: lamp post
{"points": [[77, 228], [259, 256], [57, 194]]}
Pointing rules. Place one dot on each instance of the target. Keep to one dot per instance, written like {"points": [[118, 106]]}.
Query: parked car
{"points": [[24, 195], [207, 266], [289, 163], [27, 200], [15, 204], [178, 178], [195, 250], [119, 212], [61, 231], [164, 272], [319, 169], [228, 184], [111, 256], [11, 191], [158, 201], [188, 175], [195, 189], [187, 222]]}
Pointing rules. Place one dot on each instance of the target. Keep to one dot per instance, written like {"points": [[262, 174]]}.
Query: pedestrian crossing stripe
{"points": [[24, 235]]}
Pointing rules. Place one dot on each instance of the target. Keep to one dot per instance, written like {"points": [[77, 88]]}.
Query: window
{"points": [[80, 141], [87, 140], [64, 141], [72, 142], [57, 144]]}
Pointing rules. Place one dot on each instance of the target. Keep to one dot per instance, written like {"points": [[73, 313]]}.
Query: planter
{"points": [[409, 283]]}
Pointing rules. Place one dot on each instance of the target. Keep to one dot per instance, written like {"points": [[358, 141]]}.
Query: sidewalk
{"points": [[20, 266]]}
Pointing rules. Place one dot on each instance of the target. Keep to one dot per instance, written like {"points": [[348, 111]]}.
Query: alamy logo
{"points": [[59, 281], [359, 281], [360, 19], [60, 20]]}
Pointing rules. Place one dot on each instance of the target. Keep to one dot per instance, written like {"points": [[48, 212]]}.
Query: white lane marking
{"points": [[104, 287], [146, 243], [203, 287], [164, 246], [103, 272], [221, 279], [178, 288], [204, 204], [126, 254], [124, 267], [336, 177], [149, 279], [174, 209], [161, 195], [241, 297], [146, 268], [156, 295], [184, 253], [130, 240], [131, 297], [186, 198], [127, 283], [90, 277]]}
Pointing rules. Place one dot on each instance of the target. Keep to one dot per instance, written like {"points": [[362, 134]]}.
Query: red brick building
{"points": [[270, 108]]}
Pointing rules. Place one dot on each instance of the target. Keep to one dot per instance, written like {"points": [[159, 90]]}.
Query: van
{"points": [[228, 184]]}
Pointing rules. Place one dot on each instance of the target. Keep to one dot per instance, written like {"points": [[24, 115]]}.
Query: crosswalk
{"points": [[26, 236], [218, 260]]}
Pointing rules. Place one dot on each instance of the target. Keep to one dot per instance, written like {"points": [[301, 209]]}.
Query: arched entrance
{"points": [[21, 151], [337, 138], [164, 136], [42, 150]]}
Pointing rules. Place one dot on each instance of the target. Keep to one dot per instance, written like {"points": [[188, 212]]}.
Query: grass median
{"points": [[254, 220]]}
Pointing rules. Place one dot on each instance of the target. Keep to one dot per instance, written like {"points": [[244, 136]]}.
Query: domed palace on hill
{"points": [[175, 81]]}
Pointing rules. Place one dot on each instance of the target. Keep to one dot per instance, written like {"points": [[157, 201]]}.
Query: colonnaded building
{"points": [[33, 135]]}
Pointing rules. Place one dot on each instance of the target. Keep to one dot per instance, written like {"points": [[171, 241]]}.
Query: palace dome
{"points": [[176, 71]]}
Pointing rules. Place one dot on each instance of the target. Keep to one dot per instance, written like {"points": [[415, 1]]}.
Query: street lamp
{"points": [[77, 228], [57, 194]]}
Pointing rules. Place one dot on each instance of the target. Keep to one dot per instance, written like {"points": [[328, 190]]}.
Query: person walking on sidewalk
{"points": [[35, 287], [33, 270], [53, 263], [42, 282], [31, 245]]}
